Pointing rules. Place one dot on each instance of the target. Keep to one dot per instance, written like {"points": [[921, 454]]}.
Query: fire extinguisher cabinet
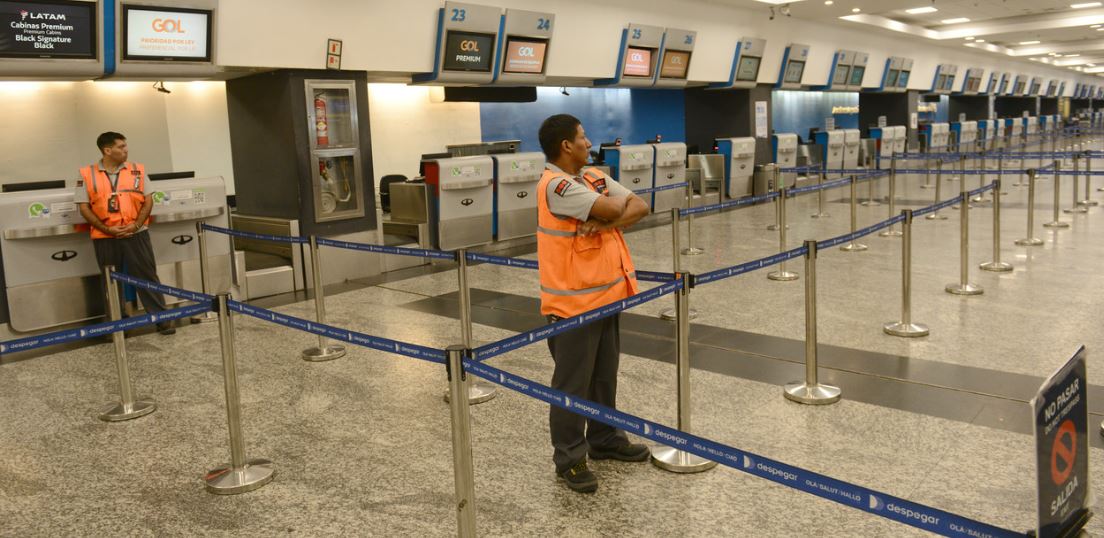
{"points": [[302, 148]]}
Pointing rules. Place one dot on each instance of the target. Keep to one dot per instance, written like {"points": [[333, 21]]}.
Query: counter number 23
{"points": [[458, 15]]}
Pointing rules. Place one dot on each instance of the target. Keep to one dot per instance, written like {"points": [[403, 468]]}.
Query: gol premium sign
{"points": [[1062, 449], [167, 34], [51, 29]]}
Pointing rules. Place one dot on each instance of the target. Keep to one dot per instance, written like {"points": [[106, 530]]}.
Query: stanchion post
{"points": [[128, 406], [906, 327], [325, 351], [870, 201], [462, 467], [1030, 240], [204, 273], [820, 214], [1057, 222], [671, 314], [890, 232], [964, 287], [1088, 201], [665, 457], [782, 274], [938, 191], [852, 245], [241, 474], [690, 249], [1076, 207], [811, 391], [479, 391], [927, 171], [996, 266], [982, 177]]}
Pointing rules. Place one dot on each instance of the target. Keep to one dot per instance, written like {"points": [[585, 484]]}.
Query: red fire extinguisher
{"points": [[321, 127]]}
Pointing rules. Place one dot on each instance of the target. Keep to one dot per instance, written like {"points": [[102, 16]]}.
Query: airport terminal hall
{"points": [[572, 268]]}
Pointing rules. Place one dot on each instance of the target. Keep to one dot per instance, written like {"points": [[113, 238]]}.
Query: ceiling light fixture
{"points": [[828, 2], [1072, 55], [979, 41], [956, 20], [1085, 5], [1029, 42], [1091, 65], [969, 38], [855, 10], [1095, 26], [921, 10]]}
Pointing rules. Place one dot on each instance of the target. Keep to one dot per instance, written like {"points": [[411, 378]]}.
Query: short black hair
{"points": [[106, 140], [556, 129]]}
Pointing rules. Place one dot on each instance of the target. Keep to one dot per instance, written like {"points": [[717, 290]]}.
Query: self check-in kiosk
{"points": [[670, 169], [50, 272], [632, 167], [784, 154], [793, 67], [745, 64], [674, 58], [831, 144], [460, 196], [516, 176], [637, 57], [522, 51], [739, 154], [851, 140], [467, 41]]}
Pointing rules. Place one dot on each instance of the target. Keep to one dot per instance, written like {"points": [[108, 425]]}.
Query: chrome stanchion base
{"points": [[328, 353], [227, 480], [678, 461], [1079, 209], [1092, 203], [1056, 224], [890, 232], [1101, 189], [479, 391], [692, 251], [1029, 242], [671, 315], [818, 394], [205, 317], [964, 289], [935, 216], [870, 203], [774, 227], [854, 247], [782, 276], [908, 330], [996, 267], [117, 411], [927, 186], [820, 215]]}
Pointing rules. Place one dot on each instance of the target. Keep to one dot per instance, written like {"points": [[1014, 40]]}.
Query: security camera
{"points": [[784, 9], [772, 13]]}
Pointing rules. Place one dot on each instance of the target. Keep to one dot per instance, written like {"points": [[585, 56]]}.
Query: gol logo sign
{"points": [[469, 45], [526, 52], [168, 26]]}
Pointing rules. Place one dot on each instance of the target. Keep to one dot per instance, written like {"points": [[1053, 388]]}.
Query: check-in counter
{"points": [[461, 201], [670, 169], [885, 139], [516, 177], [739, 156], [51, 277], [632, 167], [784, 154], [851, 140]]}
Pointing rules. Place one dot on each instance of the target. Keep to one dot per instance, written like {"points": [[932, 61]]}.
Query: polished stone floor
{"points": [[362, 444]]}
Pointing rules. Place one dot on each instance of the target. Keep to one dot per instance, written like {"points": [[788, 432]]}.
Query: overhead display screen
{"points": [[857, 73], [902, 81], [794, 70], [675, 64], [638, 62], [891, 78], [940, 82], [48, 29], [467, 51], [170, 34], [840, 76], [748, 68], [525, 56], [949, 83]]}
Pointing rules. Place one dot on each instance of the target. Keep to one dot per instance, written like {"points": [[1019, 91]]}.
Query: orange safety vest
{"points": [[579, 272], [127, 190]]}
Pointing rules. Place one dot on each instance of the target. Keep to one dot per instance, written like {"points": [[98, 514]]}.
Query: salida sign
{"points": [[1062, 446]]}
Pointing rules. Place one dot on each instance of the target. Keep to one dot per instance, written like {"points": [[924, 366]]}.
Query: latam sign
{"points": [[160, 34]]}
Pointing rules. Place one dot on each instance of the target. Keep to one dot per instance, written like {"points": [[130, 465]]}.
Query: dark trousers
{"points": [[136, 252], [586, 366]]}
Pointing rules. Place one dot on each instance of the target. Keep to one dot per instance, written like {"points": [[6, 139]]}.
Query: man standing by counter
{"points": [[584, 264], [113, 196]]}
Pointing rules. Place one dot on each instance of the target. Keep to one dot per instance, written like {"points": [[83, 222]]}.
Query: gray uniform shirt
{"points": [[572, 198]]}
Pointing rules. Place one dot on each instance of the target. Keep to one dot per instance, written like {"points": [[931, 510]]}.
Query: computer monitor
{"points": [[675, 64], [891, 78], [166, 34], [468, 51], [638, 62], [525, 55], [72, 35], [841, 75], [902, 81], [748, 68], [794, 70], [857, 73]]}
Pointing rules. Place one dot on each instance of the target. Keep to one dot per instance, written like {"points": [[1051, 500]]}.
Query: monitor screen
{"points": [[638, 62], [48, 29], [794, 70], [902, 81], [748, 68], [1034, 89], [891, 78], [675, 64], [525, 56], [1019, 88], [467, 51], [839, 78], [1003, 87], [857, 73], [151, 33]]}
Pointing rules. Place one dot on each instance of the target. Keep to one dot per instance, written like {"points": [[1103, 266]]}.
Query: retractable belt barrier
{"points": [[862, 232], [662, 188], [100, 329], [747, 267], [380, 249], [257, 236], [747, 200]]}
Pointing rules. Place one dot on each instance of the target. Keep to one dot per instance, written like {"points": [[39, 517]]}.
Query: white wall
{"points": [[397, 37], [51, 127]]}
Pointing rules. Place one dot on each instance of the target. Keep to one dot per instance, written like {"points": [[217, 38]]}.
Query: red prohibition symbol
{"points": [[1062, 455]]}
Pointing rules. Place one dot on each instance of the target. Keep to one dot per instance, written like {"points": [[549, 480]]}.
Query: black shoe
{"points": [[629, 452], [579, 478], [166, 328]]}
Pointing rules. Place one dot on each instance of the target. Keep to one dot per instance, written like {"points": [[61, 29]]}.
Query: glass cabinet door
{"points": [[336, 177], [331, 114], [338, 190]]}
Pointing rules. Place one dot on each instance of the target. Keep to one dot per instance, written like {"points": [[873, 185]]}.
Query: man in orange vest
{"points": [[114, 197], [584, 264]]}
